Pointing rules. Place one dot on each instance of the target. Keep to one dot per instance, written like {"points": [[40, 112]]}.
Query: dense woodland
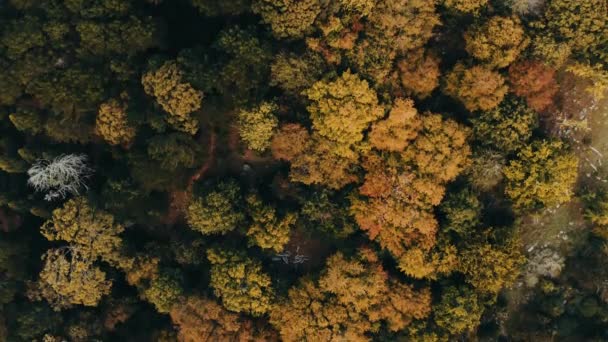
{"points": [[302, 170]]}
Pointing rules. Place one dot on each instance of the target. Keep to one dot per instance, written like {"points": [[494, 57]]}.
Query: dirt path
{"points": [[179, 199]]}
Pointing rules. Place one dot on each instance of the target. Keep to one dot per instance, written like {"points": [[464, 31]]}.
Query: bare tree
{"points": [[59, 177]]}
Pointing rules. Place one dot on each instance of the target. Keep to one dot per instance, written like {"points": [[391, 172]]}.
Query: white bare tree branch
{"points": [[60, 177]]}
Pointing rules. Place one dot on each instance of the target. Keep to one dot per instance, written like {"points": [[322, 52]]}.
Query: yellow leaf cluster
{"points": [[112, 123], [497, 42]]}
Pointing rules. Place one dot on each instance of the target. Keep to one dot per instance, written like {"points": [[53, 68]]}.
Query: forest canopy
{"points": [[303, 170]]}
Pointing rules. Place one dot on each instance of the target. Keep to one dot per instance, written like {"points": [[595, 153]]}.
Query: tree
{"points": [[459, 310], [68, 278], [507, 127], [440, 150], [543, 175], [112, 123], [581, 24], [174, 95], [326, 163], [216, 211], [202, 319], [497, 42], [27, 121], [535, 82], [342, 109], [267, 230], [462, 211], [290, 141], [227, 7], [400, 127], [256, 126], [289, 19], [486, 169], [240, 282], [294, 73], [489, 268], [352, 297], [477, 87], [174, 151], [328, 214], [59, 177], [164, 290], [466, 6], [389, 18], [418, 73], [93, 231]]}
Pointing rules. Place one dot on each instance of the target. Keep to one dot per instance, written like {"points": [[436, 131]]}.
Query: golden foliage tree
{"points": [[174, 95], [400, 127], [112, 123], [202, 319], [290, 19], [326, 163], [240, 282], [256, 126], [69, 278], [289, 141], [489, 268], [267, 230], [94, 231], [342, 109], [418, 73], [497, 42], [405, 25], [535, 82], [459, 310], [543, 175], [217, 211], [467, 6], [352, 297], [477, 87]]}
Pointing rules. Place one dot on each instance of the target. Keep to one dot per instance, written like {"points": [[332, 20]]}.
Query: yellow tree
{"points": [[93, 231], [256, 126], [497, 42], [477, 87], [290, 19], [112, 123], [69, 278], [467, 6], [202, 319], [267, 230], [342, 109], [217, 211], [352, 297], [418, 73], [176, 96], [240, 282], [400, 127], [543, 175]]}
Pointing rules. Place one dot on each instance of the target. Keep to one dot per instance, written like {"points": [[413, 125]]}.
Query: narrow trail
{"points": [[179, 199]]}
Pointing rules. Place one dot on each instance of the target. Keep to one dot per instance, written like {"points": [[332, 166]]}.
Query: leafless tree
{"points": [[60, 177]]}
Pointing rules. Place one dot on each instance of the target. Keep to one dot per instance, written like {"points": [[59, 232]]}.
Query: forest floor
{"points": [[564, 229]]}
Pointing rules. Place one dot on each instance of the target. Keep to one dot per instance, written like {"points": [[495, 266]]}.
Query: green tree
{"points": [[497, 42], [459, 310], [543, 175], [174, 151], [240, 282], [256, 126], [507, 127], [216, 211], [462, 211], [294, 73], [164, 290]]}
